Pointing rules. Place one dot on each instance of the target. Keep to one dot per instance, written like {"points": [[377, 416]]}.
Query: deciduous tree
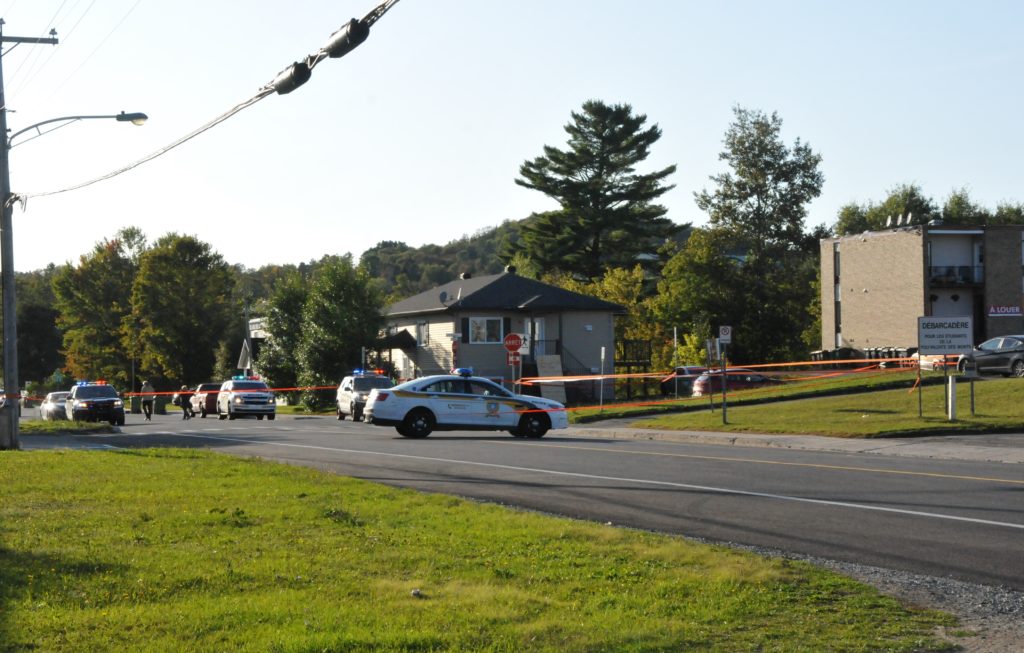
{"points": [[341, 315], [181, 305], [93, 298]]}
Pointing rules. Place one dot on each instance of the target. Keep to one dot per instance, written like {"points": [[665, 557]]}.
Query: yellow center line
{"points": [[758, 461]]}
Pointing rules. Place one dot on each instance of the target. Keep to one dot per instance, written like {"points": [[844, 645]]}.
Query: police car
{"points": [[353, 390], [94, 401], [245, 396], [461, 401]]}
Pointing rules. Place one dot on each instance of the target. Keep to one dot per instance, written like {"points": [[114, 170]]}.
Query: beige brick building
{"points": [[876, 284]]}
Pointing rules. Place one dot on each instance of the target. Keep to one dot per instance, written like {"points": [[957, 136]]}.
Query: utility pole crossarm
{"points": [[27, 39]]}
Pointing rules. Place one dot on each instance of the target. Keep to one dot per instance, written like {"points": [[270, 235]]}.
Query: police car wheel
{"points": [[271, 417], [418, 423], [221, 415], [534, 425], [356, 415], [259, 418], [230, 414], [341, 415]]}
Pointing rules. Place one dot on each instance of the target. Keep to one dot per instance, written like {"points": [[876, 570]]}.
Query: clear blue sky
{"points": [[418, 134]]}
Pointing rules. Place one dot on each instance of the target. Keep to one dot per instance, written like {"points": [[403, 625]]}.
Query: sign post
{"points": [[513, 342], [942, 336], [725, 339]]}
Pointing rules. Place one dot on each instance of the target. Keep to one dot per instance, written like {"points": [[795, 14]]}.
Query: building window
{"points": [[422, 334], [485, 330]]}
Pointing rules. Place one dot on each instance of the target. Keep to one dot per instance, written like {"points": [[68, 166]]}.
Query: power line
{"points": [[341, 42]]}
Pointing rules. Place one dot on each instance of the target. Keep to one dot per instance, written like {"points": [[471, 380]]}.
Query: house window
{"points": [[422, 334], [485, 330]]}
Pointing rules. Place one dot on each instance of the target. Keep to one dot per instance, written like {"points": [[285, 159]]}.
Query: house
{"points": [[464, 323], [876, 284]]}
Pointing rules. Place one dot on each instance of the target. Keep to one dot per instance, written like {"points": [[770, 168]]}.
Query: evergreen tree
{"points": [[607, 216]]}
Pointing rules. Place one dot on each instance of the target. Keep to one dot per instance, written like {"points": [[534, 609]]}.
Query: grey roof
{"points": [[499, 292]]}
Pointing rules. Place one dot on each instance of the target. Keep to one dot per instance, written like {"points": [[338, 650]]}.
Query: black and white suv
{"points": [[94, 402]]}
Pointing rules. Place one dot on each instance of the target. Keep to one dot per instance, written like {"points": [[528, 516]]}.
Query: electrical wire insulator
{"points": [[291, 78], [345, 40]]}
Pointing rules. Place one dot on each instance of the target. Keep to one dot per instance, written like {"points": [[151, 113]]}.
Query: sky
{"points": [[417, 135]]}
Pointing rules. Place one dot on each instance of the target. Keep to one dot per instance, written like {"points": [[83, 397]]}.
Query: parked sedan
{"points": [[53, 407], [1002, 355], [680, 380], [204, 399], [736, 379]]}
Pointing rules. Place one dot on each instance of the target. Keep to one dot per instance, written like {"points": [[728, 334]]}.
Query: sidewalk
{"points": [[996, 448]]}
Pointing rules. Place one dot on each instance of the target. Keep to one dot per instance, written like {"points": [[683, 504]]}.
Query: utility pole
{"points": [[12, 392]]}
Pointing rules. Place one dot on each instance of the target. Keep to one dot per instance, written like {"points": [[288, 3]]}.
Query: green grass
{"points": [[183, 550], [40, 427], [814, 384], [883, 413]]}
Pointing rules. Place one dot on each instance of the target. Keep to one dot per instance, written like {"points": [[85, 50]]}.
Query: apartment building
{"points": [[875, 285]]}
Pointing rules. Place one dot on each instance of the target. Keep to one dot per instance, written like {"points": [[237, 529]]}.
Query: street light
{"points": [[134, 118], [9, 409]]}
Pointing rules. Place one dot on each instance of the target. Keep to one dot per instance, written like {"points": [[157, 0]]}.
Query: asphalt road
{"points": [[957, 518]]}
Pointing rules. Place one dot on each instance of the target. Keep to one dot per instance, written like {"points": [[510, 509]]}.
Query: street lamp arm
{"points": [[134, 118]]}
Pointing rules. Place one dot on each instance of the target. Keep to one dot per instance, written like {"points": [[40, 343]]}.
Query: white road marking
{"points": [[617, 479]]}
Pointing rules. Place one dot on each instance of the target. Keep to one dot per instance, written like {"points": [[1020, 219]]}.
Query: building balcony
{"points": [[956, 275]]}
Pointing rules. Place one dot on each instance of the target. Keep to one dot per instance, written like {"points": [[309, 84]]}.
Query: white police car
{"points": [[245, 396], [461, 401], [353, 390]]}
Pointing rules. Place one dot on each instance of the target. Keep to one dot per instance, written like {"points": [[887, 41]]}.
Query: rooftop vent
{"points": [[466, 275], [511, 269]]}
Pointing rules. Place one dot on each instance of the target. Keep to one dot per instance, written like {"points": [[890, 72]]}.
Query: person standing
{"points": [[185, 397], [148, 393]]}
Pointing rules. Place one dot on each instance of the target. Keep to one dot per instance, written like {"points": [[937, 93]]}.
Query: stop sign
{"points": [[513, 342]]}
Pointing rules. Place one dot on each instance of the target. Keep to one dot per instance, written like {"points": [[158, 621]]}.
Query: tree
{"points": [[907, 200], [92, 301], [959, 209], [852, 219], [341, 315], [39, 338], [181, 307], [753, 267], [607, 217], [1008, 213], [283, 321], [764, 199]]}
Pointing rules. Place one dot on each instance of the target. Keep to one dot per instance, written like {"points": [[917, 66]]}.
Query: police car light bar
{"points": [[463, 371], [242, 377]]}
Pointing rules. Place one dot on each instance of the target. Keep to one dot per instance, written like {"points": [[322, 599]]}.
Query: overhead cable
{"points": [[343, 41]]}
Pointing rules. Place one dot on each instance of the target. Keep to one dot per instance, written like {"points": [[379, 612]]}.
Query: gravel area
{"points": [[991, 618]]}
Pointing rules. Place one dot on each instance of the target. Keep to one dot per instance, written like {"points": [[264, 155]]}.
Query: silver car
{"points": [[53, 407]]}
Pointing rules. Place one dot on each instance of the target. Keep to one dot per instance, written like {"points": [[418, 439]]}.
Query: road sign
{"points": [[944, 335], [513, 358], [513, 342], [725, 335]]}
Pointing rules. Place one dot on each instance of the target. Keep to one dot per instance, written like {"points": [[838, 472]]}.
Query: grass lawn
{"points": [[998, 407], [814, 384], [184, 550]]}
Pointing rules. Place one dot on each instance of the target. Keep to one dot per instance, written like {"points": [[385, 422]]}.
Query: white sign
{"points": [[1004, 311], [725, 335], [944, 335]]}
